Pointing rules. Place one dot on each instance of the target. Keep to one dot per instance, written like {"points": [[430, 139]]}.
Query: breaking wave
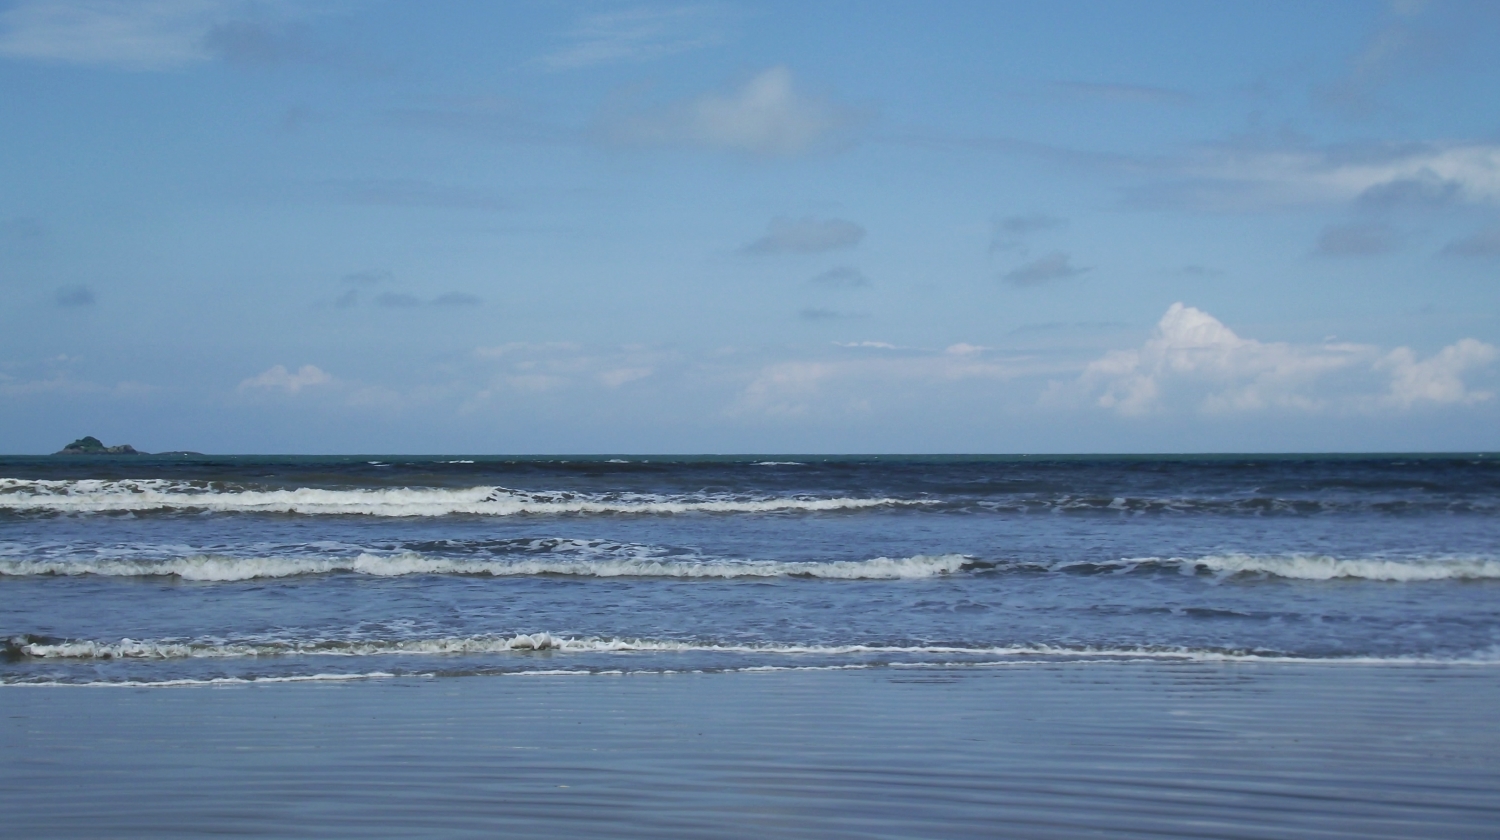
{"points": [[170, 649], [211, 567], [135, 495], [1320, 567]]}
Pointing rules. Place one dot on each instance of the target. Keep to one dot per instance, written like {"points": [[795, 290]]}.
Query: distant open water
{"points": [[190, 570]]}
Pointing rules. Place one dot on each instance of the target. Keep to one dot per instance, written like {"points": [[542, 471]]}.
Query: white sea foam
{"points": [[103, 496], [1320, 567], [211, 567], [208, 681], [548, 642]]}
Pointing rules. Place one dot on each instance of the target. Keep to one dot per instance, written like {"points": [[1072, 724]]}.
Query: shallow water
{"points": [[1231, 750]]}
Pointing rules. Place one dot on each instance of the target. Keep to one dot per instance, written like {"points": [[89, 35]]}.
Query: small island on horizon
{"points": [[90, 445]]}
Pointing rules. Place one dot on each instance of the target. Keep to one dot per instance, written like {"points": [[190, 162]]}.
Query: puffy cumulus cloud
{"points": [[279, 378], [766, 116], [1054, 266], [1357, 240], [1437, 379], [806, 236], [1194, 358], [640, 34], [149, 34]]}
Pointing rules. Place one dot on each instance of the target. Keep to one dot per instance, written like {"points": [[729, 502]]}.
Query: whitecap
{"points": [[1322, 567], [104, 496], [213, 567]]}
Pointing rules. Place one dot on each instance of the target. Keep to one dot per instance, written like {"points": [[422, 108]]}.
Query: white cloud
{"points": [[560, 366], [792, 388], [767, 116], [140, 34], [639, 34], [1437, 379], [620, 376], [878, 345], [807, 236], [1228, 176], [279, 378], [1194, 359]]}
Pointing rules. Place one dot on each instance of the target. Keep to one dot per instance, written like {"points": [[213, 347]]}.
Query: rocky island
{"points": [[91, 445]]}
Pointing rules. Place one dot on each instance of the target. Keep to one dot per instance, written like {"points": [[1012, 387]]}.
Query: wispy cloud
{"points": [[1132, 94], [398, 300], [848, 382], [842, 277], [1400, 48], [151, 34], [767, 116], [1253, 177], [639, 34], [1054, 266], [1011, 232], [533, 368], [451, 300], [806, 236], [368, 277], [278, 378]]}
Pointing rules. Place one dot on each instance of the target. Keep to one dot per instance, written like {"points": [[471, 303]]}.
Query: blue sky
{"points": [[722, 227]]}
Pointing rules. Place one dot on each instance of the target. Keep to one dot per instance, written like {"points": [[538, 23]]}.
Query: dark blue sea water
{"points": [[226, 569]]}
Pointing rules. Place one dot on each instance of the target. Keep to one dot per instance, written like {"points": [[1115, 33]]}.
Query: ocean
{"points": [[1335, 619]]}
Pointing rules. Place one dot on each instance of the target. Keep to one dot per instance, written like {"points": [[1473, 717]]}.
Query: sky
{"points": [[555, 227]]}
